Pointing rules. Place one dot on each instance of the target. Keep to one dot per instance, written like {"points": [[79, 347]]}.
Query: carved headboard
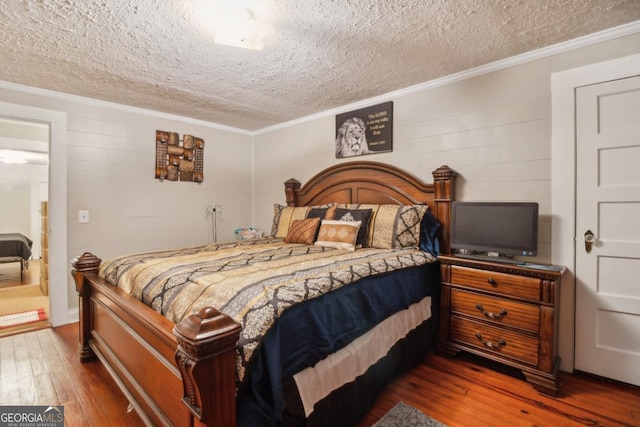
{"points": [[366, 182]]}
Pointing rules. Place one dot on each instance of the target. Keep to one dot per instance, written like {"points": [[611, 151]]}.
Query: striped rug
{"points": [[14, 319]]}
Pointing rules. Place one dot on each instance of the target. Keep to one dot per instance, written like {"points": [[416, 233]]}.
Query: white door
{"points": [[608, 205]]}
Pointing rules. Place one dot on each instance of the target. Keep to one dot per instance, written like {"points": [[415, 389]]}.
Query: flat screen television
{"points": [[508, 228]]}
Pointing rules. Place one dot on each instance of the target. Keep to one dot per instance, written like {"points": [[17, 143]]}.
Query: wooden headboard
{"points": [[378, 183]]}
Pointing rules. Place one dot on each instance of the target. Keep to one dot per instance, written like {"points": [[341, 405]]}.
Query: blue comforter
{"points": [[311, 331]]}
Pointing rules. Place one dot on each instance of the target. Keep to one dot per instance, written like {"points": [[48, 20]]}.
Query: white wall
{"points": [[16, 202], [111, 167], [110, 171], [20, 207], [493, 129], [23, 186]]}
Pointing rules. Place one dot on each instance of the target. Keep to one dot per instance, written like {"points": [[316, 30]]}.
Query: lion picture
{"points": [[351, 139]]}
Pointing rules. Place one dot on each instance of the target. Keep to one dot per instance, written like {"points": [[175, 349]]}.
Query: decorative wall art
{"points": [[175, 162], [365, 131]]}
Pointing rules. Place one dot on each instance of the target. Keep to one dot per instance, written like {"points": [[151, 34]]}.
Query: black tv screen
{"points": [[509, 228]]}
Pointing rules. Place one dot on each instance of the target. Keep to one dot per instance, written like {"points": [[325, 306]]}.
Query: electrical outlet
{"points": [[83, 217]]}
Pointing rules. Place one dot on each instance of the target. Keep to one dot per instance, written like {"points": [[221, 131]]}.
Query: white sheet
{"points": [[348, 363]]}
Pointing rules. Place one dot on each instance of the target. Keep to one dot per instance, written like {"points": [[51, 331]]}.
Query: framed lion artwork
{"points": [[365, 131]]}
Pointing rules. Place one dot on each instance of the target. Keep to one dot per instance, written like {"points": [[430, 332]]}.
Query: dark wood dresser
{"points": [[503, 312]]}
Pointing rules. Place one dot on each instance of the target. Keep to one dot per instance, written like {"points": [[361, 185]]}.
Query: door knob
{"points": [[589, 238]]}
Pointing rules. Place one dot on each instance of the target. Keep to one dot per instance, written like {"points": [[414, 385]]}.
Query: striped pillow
{"points": [[303, 231], [283, 216]]}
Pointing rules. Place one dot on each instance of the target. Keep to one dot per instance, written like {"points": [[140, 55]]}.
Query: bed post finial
{"points": [[207, 360], [83, 265], [291, 187], [444, 179]]}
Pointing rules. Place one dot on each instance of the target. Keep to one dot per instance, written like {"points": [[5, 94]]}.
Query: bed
{"points": [[191, 368], [15, 247]]}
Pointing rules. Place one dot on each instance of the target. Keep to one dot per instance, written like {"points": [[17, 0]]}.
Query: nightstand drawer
{"points": [[494, 340], [504, 312], [506, 284], [496, 310]]}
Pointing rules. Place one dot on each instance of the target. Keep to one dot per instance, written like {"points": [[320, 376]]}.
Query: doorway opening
{"points": [[24, 228]]}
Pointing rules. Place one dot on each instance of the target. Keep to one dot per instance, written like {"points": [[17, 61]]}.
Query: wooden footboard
{"points": [[180, 375]]}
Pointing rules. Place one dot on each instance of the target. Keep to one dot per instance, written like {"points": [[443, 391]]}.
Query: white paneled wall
{"points": [[16, 201], [493, 129], [111, 164], [110, 156]]}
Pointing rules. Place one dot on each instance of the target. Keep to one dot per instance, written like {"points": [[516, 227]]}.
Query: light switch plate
{"points": [[83, 217]]}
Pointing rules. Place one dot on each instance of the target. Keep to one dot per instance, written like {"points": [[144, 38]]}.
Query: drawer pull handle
{"points": [[490, 315], [489, 344], [492, 282]]}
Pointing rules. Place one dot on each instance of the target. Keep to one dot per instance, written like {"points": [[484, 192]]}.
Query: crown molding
{"points": [[588, 40], [92, 102]]}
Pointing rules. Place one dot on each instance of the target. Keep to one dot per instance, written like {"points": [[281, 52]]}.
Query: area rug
{"points": [[15, 319], [403, 415]]}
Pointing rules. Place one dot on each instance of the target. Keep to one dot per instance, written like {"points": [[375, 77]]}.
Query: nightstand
{"points": [[503, 312]]}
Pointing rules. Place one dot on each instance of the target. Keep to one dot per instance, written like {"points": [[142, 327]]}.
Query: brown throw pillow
{"points": [[303, 231]]}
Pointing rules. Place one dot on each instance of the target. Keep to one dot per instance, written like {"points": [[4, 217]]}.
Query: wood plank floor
{"points": [[10, 274], [463, 392], [42, 368]]}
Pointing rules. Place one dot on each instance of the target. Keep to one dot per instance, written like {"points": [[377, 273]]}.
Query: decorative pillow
{"points": [[429, 234], [362, 215], [338, 234], [393, 226], [283, 216], [316, 212], [303, 231]]}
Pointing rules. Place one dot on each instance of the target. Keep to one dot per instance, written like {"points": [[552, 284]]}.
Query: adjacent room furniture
{"points": [[503, 312], [185, 373], [15, 248]]}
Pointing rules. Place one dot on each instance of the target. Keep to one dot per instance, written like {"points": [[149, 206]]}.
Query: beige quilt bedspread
{"points": [[252, 281]]}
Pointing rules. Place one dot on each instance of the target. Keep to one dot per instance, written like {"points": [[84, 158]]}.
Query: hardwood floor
{"points": [[42, 368], [10, 274], [461, 392]]}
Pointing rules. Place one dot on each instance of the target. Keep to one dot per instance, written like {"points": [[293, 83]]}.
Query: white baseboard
{"points": [[74, 315]]}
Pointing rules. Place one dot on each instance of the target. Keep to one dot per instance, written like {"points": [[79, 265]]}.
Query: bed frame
{"points": [[184, 374]]}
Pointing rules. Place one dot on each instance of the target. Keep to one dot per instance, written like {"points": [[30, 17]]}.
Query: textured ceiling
{"points": [[318, 55]]}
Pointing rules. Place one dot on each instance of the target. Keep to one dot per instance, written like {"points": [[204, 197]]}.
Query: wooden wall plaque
{"points": [[175, 162]]}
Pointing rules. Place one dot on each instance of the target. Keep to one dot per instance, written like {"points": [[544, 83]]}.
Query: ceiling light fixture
{"points": [[235, 23], [235, 27], [18, 157]]}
